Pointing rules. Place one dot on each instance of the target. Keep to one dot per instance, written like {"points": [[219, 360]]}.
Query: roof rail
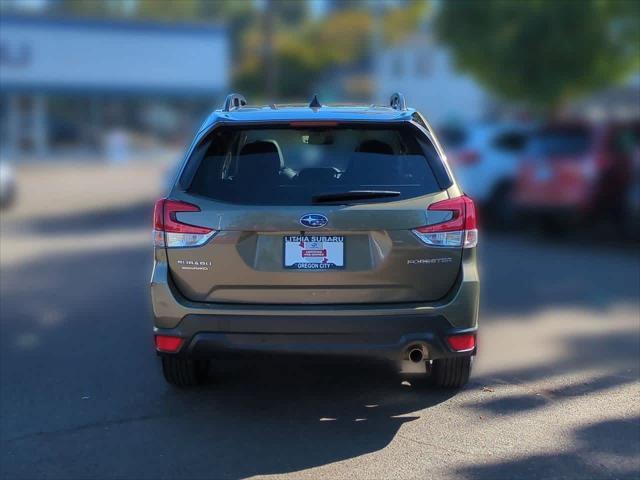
{"points": [[397, 101], [233, 101]]}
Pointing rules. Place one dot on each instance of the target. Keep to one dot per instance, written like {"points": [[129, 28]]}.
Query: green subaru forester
{"points": [[317, 230]]}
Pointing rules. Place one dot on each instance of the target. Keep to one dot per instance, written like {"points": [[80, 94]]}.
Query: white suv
{"points": [[485, 157]]}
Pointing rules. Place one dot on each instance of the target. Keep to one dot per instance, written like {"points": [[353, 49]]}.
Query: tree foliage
{"points": [[542, 52], [303, 53], [303, 50], [399, 23]]}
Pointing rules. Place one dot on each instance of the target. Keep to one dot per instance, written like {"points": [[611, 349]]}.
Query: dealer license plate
{"points": [[311, 252]]}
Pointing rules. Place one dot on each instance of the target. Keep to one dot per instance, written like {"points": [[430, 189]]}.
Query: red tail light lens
{"points": [[462, 343], [167, 343], [170, 232], [460, 231]]}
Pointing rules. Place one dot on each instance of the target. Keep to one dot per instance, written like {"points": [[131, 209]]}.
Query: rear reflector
{"points": [[462, 343], [459, 231], [171, 233], [166, 343]]}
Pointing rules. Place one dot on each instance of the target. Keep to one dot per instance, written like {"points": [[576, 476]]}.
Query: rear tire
{"points": [[451, 372], [183, 372]]}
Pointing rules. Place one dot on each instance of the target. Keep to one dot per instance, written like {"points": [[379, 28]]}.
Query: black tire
{"points": [[183, 372], [451, 372]]}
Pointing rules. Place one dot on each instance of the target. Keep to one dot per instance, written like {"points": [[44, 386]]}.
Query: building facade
{"points": [[424, 72], [65, 83]]}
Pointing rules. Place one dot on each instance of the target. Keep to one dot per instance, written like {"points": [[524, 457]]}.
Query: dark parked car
{"points": [[485, 158]]}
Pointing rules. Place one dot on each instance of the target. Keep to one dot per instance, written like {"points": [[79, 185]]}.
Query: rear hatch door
{"points": [[286, 234]]}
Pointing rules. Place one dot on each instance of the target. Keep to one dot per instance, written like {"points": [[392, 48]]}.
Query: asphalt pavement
{"points": [[554, 393]]}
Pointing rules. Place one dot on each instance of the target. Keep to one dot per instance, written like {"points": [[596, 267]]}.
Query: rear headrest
{"points": [[267, 158], [260, 146], [375, 146]]}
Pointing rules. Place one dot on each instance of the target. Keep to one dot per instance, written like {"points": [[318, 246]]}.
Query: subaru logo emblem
{"points": [[313, 220]]}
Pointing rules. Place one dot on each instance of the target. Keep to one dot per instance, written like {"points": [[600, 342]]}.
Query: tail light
{"points": [[171, 233], [460, 231], [468, 157], [462, 343], [168, 343]]}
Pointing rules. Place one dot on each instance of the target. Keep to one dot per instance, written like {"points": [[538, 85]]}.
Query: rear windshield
{"points": [[561, 142], [297, 166]]}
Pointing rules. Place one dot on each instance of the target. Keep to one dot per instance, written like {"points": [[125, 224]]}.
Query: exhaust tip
{"points": [[414, 358], [416, 355]]}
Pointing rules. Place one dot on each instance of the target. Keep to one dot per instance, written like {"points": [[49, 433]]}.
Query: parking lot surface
{"points": [[554, 393]]}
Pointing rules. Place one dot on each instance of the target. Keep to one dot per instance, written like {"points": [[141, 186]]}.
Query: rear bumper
{"points": [[371, 330], [387, 337]]}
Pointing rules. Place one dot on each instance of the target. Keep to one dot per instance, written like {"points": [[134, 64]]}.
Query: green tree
{"points": [[275, 40], [307, 49], [541, 52], [401, 22], [304, 52]]}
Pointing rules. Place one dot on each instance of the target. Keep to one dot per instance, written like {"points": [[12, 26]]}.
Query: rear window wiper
{"points": [[353, 195]]}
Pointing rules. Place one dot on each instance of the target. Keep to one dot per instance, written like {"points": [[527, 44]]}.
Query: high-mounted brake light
{"points": [[315, 123], [461, 230], [169, 232]]}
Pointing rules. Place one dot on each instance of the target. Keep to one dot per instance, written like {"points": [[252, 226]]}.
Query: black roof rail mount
{"points": [[397, 101], [315, 103], [233, 101]]}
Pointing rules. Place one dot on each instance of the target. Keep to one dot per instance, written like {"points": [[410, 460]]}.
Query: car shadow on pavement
{"points": [[83, 395], [278, 417]]}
